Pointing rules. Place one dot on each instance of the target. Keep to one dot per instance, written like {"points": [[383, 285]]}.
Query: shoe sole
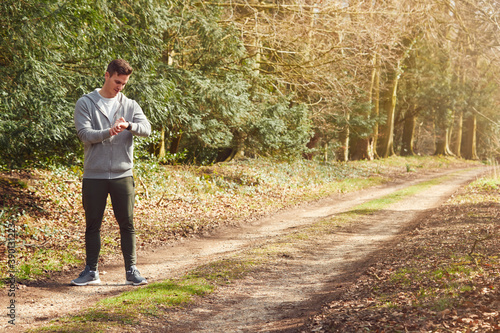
{"points": [[86, 283], [135, 283]]}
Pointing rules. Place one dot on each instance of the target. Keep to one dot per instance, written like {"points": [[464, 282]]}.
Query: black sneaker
{"points": [[87, 277], [134, 277]]}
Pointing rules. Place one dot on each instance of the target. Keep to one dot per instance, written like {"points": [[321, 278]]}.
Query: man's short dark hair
{"points": [[119, 66]]}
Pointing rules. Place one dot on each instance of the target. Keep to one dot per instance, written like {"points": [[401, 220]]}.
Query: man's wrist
{"points": [[129, 127]]}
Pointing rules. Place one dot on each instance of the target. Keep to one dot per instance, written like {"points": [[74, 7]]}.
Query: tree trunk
{"points": [[450, 129], [238, 152], [469, 144], [175, 143], [361, 149], [442, 131], [408, 135], [161, 152], [256, 48], [374, 98], [240, 147], [376, 105], [343, 152], [457, 141], [442, 144], [387, 148], [364, 148]]}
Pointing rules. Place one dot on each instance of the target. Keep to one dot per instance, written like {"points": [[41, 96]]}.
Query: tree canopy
{"points": [[224, 79]]}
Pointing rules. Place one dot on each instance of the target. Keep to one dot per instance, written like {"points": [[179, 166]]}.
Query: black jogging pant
{"points": [[95, 194]]}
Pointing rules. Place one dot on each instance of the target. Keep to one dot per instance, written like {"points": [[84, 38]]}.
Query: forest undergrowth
{"points": [[444, 276], [172, 202]]}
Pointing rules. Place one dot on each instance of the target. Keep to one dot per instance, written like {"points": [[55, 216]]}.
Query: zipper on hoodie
{"points": [[115, 116]]}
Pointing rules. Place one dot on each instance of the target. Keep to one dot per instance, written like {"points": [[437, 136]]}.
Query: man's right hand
{"points": [[119, 126]]}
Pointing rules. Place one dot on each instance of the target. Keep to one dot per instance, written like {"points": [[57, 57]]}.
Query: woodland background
{"points": [[219, 80], [297, 82]]}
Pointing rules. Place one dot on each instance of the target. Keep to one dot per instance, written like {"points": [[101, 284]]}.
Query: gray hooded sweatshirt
{"points": [[106, 156]]}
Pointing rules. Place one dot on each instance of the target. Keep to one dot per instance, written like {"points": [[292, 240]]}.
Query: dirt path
{"points": [[280, 296]]}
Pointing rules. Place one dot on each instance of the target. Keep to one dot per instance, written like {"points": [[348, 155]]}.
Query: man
{"points": [[106, 122]]}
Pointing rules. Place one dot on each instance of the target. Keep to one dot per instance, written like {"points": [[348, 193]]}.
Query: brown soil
{"points": [[281, 295]]}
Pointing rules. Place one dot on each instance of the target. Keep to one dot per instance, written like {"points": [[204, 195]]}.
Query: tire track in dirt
{"points": [[38, 304]]}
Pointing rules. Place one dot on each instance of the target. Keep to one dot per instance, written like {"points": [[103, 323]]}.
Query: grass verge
{"points": [[133, 309]]}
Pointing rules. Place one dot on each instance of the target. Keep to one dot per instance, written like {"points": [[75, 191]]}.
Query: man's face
{"points": [[113, 84]]}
